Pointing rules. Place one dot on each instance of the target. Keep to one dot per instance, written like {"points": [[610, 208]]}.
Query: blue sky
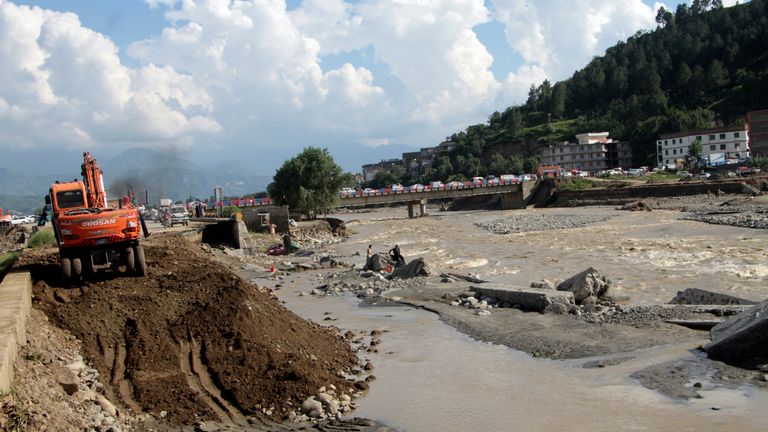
{"points": [[255, 82]]}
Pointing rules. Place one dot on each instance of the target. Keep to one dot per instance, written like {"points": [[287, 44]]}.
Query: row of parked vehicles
{"points": [[475, 182]]}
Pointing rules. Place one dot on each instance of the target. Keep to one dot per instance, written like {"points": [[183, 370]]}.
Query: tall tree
{"points": [[309, 183], [557, 107], [663, 16], [693, 158]]}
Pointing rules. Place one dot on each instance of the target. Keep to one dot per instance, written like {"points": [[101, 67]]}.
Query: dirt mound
{"points": [[191, 338], [13, 237]]}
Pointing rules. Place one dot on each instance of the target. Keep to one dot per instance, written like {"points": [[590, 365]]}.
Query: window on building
{"points": [[666, 152], [722, 136], [735, 134], [698, 137], [737, 145], [712, 147], [722, 146], [674, 151], [666, 142], [659, 148], [659, 143], [711, 137], [661, 158]]}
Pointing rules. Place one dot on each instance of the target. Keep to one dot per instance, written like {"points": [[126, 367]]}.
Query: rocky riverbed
{"points": [[540, 222]]}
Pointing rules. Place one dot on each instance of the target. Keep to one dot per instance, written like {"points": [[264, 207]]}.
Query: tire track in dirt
{"points": [[200, 381], [120, 381]]}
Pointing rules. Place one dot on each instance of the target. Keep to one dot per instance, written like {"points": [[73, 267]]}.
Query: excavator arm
{"points": [[96, 195]]}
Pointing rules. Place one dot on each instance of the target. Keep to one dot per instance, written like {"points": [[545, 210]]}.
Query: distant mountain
{"points": [[149, 173]]}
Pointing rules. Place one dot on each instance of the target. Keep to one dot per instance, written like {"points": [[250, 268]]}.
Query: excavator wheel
{"points": [[141, 264], [66, 268], [130, 263], [77, 268]]}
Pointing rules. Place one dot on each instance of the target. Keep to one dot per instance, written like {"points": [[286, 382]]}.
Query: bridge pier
{"points": [[512, 200], [422, 208]]}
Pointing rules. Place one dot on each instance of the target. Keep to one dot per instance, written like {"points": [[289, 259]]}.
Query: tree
{"points": [[693, 158], [664, 17], [383, 179], [309, 183], [717, 75], [558, 100], [515, 120], [498, 165]]}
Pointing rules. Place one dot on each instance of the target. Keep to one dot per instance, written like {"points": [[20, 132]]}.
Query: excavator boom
{"points": [[94, 182]]}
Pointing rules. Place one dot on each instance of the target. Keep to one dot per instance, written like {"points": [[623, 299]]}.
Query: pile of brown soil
{"points": [[13, 237], [191, 338]]}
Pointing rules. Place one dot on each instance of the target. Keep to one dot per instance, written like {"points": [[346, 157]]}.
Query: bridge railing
{"points": [[427, 188]]}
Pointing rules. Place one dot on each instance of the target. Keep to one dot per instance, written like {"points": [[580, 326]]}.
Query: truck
{"points": [[5, 218], [90, 233]]}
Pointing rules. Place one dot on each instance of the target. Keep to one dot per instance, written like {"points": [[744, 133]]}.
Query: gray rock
{"points": [[697, 296], [544, 284], [414, 268], [377, 262], [743, 339], [588, 283], [311, 404]]}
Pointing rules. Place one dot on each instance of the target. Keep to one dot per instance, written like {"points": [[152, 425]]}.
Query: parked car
{"points": [[684, 174]]}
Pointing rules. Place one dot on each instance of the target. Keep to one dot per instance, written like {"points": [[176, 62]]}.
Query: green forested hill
{"points": [[703, 66]]}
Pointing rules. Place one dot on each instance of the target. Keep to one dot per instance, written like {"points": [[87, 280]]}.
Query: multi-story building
{"points": [[594, 151], [719, 143], [394, 166], [758, 132]]}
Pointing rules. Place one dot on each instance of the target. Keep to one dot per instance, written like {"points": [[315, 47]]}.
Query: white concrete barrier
{"points": [[15, 307]]}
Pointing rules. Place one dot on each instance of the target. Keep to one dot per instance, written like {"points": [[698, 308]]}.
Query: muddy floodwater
{"points": [[430, 377]]}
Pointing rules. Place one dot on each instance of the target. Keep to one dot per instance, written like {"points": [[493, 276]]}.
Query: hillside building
{"points": [[394, 166], [758, 132], [594, 151], [718, 143]]}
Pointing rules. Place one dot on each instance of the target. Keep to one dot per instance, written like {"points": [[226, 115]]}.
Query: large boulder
{"points": [[588, 283], [376, 262], [414, 268], [743, 339]]}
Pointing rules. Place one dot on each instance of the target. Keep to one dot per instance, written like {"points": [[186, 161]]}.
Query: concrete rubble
{"points": [[697, 296], [743, 339], [527, 299]]}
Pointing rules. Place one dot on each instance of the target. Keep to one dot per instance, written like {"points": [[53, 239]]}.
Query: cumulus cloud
{"points": [[251, 73], [555, 38], [62, 83]]}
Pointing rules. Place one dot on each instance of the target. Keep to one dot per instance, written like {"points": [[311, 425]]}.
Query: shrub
{"points": [[7, 260], [42, 239], [229, 211]]}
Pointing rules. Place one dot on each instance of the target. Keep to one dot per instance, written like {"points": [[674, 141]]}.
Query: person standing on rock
{"points": [[370, 251], [394, 253]]}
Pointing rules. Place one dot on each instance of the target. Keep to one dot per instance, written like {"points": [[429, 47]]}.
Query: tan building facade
{"points": [[594, 151]]}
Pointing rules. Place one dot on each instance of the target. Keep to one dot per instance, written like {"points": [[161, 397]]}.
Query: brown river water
{"points": [[430, 377]]}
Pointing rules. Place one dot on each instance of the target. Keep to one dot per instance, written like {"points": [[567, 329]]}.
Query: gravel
{"points": [[744, 220], [525, 223]]}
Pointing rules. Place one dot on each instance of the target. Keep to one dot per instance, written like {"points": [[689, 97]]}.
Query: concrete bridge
{"points": [[513, 196]]}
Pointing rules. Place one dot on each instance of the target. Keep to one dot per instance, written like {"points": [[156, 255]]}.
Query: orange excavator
{"points": [[92, 234]]}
